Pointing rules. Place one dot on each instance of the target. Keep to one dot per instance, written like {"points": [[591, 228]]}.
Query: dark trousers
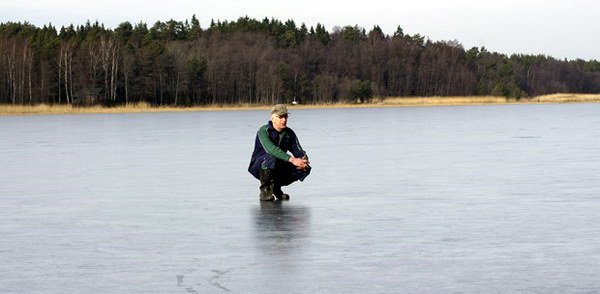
{"points": [[284, 173]]}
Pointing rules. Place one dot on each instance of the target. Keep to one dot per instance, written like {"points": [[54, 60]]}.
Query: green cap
{"points": [[279, 110]]}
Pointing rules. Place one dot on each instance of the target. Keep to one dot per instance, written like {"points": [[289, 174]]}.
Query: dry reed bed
{"points": [[8, 109], [567, 98], [426, 101]]}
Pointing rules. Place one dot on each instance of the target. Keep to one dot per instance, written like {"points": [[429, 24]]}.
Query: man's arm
{"points": [[295, 148], [300, 159], [272, 149]]}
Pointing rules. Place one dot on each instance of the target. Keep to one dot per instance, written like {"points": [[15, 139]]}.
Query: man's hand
{"points": [[300, 163], [307, 162]]}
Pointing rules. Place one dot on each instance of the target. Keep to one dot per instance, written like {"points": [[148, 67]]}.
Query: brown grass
{"points": [[8, 109], [431, 101], [567, 98]]}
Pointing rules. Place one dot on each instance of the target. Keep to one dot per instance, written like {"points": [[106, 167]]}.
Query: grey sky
{"points": [[559, 28]]}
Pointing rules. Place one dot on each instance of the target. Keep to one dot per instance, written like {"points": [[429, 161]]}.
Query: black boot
{"points": [[266, 185], [279, 194]]}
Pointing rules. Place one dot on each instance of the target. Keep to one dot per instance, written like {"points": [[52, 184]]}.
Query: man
{"points": [[270, 162]]}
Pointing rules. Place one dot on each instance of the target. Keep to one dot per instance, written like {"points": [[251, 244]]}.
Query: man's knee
{"points": [[264, 162], [300, 175], [268, 162], [290, 175]]}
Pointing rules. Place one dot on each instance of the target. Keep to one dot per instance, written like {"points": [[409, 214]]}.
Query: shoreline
{"points": [[14, 110]]}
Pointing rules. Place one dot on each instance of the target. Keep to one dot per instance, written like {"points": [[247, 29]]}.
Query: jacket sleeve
{"points": [[270, 148], [296, 149]]}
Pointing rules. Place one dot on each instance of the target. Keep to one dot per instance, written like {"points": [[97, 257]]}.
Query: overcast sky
{"points": [[559, 28]]}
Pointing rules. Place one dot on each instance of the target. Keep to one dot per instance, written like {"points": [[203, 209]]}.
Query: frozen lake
{"points": [[475, 199]]}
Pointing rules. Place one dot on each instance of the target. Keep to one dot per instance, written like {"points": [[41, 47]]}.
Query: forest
{"points": [[265, 61]]}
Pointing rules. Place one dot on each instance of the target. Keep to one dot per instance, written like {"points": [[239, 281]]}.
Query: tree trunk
{"points": [[71, 75], [176, 88], [42, 78], [113, 72], [11, 74], [30, 68], [126, 86], [59, 75], [66, 76]]}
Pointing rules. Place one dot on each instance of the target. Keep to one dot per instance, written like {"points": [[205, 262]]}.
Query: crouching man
{"points": [[270, 162]]}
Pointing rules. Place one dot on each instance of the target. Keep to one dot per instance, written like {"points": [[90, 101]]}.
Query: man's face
{"points": [[279, 122]]}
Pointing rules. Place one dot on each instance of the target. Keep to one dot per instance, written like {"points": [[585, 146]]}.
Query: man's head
{"points": [[279, 115]]}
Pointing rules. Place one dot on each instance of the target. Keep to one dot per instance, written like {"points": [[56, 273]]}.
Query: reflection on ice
{"points": [[281, 227]]}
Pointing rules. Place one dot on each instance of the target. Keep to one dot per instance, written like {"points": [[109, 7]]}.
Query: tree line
{"points": [[261, 61]]}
